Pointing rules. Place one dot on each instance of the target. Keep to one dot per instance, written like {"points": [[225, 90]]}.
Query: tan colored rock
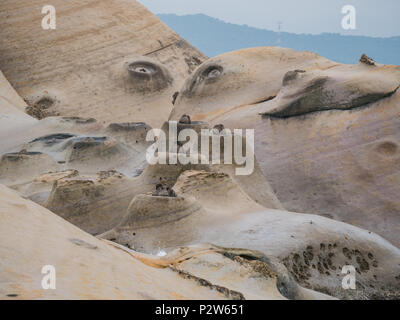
{"points": [[87, 268], [18, 167], [109, 60], [339, 163]]}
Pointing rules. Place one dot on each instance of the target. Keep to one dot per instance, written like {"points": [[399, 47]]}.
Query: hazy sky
{"points": [[379, 18]]}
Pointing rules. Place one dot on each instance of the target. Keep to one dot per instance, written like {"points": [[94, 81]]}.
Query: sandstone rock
{"points": [[313, 248], [328, 141], [115, 64]]}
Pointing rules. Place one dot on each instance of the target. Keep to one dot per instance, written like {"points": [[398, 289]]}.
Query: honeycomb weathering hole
{"points": [[387, 148], [143, 68], [42, 108]]}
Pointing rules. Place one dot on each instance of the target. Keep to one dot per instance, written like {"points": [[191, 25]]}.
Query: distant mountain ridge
{"points": [[214, 37]]}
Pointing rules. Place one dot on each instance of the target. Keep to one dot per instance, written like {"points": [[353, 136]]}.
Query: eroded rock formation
{"points": [[73, 169], [326, 134]]}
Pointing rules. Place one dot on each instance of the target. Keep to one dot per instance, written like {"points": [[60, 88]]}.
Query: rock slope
{"points": [[326, 134], [77, 192]]}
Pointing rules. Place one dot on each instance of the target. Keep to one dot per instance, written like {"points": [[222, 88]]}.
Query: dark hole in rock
{"points": [[53, 138], [143, 68], [219, 127], [84, 244], [41, 108], [194, 122], [146, 77], [128, 126], [79, 120]]}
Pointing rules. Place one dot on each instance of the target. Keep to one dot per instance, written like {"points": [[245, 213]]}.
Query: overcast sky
{"points": [[378, 18]]}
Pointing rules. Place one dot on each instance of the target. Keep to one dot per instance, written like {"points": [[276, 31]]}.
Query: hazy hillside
{"points": [[213, 37]]}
